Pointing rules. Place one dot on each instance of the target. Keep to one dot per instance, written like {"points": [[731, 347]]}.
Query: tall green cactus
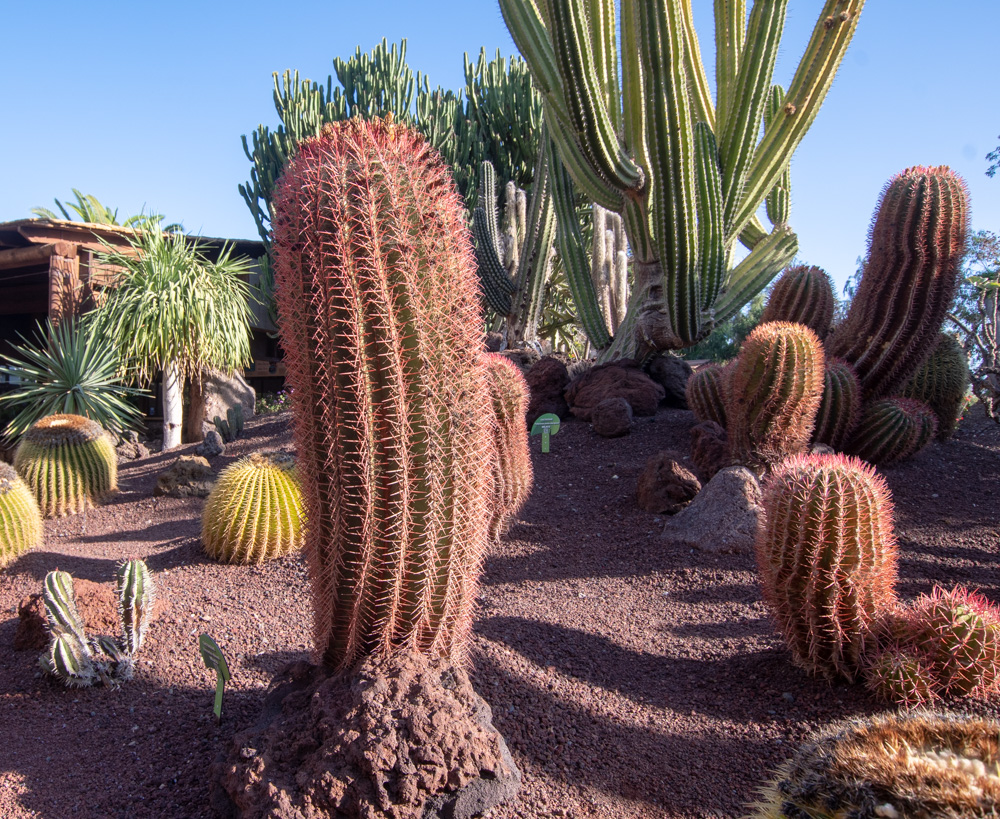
{"points": [[20, 519], [802, 294], [380, 322], [915, 249], [687, 176]]}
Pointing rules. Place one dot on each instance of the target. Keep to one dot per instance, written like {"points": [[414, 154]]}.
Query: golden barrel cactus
{"points": [[20, 519]]}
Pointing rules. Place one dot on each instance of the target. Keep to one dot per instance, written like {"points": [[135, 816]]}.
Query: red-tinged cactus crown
{"points": [[840, 407], [902, 676], [941, 382], [513, 472], [827, 559], [892, 429], [774, 392], [706, 393], [803, 294], [915, 249], [379, 311]]}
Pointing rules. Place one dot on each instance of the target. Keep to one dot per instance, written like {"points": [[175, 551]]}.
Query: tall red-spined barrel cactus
{"points": [[378, 303], [915, 249], [774, 392], [706, 393], [802, 294], [513, 473], [826, 553], [840, 407]]}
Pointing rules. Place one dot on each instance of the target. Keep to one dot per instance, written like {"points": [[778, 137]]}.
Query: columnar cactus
{"points": [[20, 520], [891, 765], [775, 389], [892, 429], [802, 294], [915, 249], [941, 382], [706, 393], [827, 559], [380, 322], [513, 473], [69, 464], [840, 407], [254, 512]]}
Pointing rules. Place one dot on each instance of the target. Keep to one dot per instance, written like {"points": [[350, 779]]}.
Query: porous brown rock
{"points": [[612, 418], [665, 486], [211, 445], [404, 737], [672, 373], [616, 379], [547, 380], [130, 448], [709, 449], [723, 518], [188, 476]]}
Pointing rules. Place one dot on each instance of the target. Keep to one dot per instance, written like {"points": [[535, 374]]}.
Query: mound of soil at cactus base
{"points": [[630, 676]]}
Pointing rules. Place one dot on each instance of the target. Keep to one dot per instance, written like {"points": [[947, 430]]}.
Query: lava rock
{"points": [[547, 380], [709, 449], [616, 379], [189, 476], [211, 445], [130, 448], [612, 418], [672, 373], [723, 518], [665, 487]]}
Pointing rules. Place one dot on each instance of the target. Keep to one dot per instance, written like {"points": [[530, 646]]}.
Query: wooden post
{"points": [[65, 290]]}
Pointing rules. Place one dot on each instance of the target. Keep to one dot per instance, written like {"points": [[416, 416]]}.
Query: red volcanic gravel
{"points": [[631, 676]]}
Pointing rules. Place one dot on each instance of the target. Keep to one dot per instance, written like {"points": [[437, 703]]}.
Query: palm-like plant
{"points": [[88, 208], [174, 311], [67, 370]]}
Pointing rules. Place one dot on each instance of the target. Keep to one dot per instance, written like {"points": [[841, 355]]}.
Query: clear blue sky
{"points": [[143, 105]]}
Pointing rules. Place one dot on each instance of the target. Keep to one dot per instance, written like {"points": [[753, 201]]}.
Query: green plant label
{"points": [[545, 425]]}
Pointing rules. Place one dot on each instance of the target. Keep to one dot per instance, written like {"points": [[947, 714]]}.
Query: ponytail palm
{"points": [[174, 311]]}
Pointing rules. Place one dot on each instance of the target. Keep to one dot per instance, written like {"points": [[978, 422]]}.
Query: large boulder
{"points": [[723, 517], [547, 380], [616, 379], [665, 486], [671, 373], [709, 449], [612, 418], [215, 396]]}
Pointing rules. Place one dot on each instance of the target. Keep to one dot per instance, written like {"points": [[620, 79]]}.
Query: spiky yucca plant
{"points": [[254, 512], [941, 382], [706, 393], [891, 766], [840, 406], [774, 391], [379, 313], [826, 553], [803, 294], [69, 464], [20, 519]]}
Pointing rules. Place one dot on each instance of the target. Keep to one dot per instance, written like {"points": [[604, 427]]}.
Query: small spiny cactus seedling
{"points": [[892, 429], [942, 382], [802, 294], [840, 407], [827, 559], [254, 512], [891, 766], [69, 464], [20, 519], [706, 393]]}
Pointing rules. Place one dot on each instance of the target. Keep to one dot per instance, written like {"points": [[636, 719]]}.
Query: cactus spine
{"points": [[901, 676], [69, 464], [915, 248], [706, 393], [891, 765], [774, 392], [827, 559], [804, 295], [840, 407], [254, 512], [941, 383], [892, 429], [20, 519], [377, 296]]}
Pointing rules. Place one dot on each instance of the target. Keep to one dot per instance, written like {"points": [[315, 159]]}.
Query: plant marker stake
{"points": [[211, 654], [547, 424]]}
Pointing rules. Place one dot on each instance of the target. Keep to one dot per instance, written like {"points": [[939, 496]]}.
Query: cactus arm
{"points": [[633, 107], [136, 594], [497, 286], [750, 276], [711, 241], [730, 31], [778, 202], [750, 97], [70, 661], [702, 109], [603, 31], [813, 77]]}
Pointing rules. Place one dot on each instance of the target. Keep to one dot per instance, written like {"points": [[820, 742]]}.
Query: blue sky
{"points": [[143, 106]]}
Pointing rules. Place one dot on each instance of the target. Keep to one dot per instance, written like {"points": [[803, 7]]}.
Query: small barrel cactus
{"points": [[941, 383], [892, 429], [254, 512], [840, 407], [706, 393], [802, 294], [902, 676], [20, 519], [827, 559], [513, 473], [891, 766], [68, 462], [774, 392]]}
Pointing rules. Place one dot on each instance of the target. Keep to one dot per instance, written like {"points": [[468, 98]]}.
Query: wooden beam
{"points": [[26, 256]]}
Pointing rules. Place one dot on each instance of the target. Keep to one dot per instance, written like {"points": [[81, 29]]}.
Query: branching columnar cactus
{"points": [[254, 512], [802, 294], [840, 408], [80, 661], [941, 383], [892, 429], [915, 249], [20, 520], [69, 464], [891, 765], [513, 473], [775, 389], [827, 559], [380, 322], [706, 393]]}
